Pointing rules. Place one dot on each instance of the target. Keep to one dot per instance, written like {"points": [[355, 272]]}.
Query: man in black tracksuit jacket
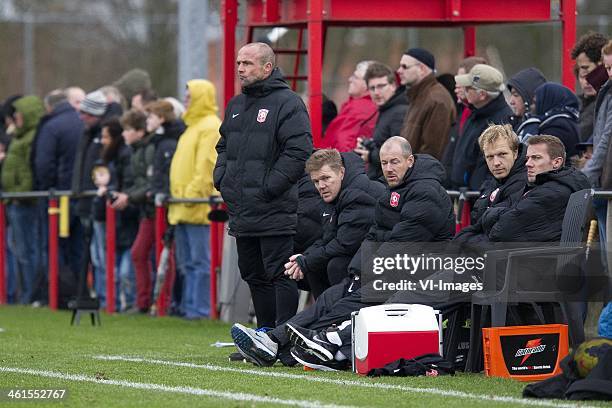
{"points": [[414, 208], [345, 220], [265, 141]]}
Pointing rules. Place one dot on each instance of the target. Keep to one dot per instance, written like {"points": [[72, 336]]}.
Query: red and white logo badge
{"points": [[493, 195], [394, 201], [262, 115]]}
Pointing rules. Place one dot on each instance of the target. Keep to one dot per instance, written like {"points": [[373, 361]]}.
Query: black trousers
{"points": [[335, 271], [334, 306], [261, 261]]}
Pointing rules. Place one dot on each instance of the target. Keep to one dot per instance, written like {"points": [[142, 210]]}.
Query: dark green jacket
{"points": [[17, 172], [140, 193]]}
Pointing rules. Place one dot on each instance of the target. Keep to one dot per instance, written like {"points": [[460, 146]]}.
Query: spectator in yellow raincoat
{"points": [[191, 177]]}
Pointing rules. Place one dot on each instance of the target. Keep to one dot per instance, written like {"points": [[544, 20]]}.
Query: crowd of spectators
{"points": [[130, 146]]}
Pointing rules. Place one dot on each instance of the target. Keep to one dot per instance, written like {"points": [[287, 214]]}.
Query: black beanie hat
{"points": [[423, 56]]}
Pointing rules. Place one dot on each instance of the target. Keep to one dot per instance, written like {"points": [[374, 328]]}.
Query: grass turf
{"points": [[40, 339]]}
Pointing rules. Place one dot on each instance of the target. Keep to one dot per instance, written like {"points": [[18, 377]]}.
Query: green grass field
{"points": [[133, 361]]}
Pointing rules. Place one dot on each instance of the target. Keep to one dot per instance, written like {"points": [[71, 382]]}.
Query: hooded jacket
{"points": [[498, 196], [55, 147], [17, 173], [428, 121], [525, 83], [469, 166], [356, 119], [347, 219], [602, 130], [194, 159], [416, 210], [164, 143], [557, 109], [265, 141], [389, 123], [538, 215]]}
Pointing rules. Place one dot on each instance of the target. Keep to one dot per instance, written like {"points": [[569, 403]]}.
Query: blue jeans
{"points": [[127, 278], [193, 260], [9, 265], [25, 247], [98, 262]]}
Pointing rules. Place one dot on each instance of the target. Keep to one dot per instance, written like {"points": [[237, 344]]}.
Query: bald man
{"points": [[265, 141]]}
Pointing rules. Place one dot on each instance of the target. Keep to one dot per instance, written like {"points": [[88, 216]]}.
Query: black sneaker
{"points": [[310, 360], [255, 345], [312, 340]]}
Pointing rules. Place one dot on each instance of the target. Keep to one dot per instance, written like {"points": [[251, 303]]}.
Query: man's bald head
{"points": [[403, 144], [396, 159], [255, 62]]}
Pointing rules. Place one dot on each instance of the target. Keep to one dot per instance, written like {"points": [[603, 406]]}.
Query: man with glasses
{"points": [[432, 111], [483, 87], [357, 116], [392, 106]]}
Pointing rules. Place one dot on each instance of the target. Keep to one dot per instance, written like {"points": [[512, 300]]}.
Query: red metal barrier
{"points": [[465, 215], [53, 214], [2, 255], [110, 257], [215, 262], [160, 229]]}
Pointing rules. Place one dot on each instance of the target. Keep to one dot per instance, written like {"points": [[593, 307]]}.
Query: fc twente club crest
{"points": [[394, 201], [262, 115]]}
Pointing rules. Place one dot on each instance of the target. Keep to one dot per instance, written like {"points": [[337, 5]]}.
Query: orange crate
{"points": [[525, 353]]}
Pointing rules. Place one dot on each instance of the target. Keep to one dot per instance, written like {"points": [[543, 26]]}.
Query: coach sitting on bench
{"points": [[347, 213]]}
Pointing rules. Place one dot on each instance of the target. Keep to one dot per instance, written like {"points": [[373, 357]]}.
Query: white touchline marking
{"points": [[435, 391], [236, 396]]}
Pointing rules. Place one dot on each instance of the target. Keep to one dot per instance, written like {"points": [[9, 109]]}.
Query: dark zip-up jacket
{"points": [[164, 144], [347, 219], [538, 215], [389, 123], [265, 141]]}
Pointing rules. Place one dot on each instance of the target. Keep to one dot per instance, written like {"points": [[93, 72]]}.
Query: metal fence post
{"points": [[3, 277], [53, 214], [160, 229], [110, 257]]}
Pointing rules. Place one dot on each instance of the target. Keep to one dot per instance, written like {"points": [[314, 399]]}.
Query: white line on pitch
{"points": [[230, 395], [434, 391]]}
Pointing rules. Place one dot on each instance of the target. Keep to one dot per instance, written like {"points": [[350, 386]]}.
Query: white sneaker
{"points": [[254, 345]]}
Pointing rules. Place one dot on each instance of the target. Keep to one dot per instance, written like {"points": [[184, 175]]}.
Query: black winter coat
{"points": [[164, 144], [347, 219], [310, 223], [497, 196], [538, 215], [557, 108], [389, 123], [417, 210], [265, 141], [88, 152], [126, 221], [469, 166], [55, 146]]}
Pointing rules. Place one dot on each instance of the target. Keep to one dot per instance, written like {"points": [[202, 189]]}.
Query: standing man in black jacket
{"points": [[265, 141], [347, 212]]}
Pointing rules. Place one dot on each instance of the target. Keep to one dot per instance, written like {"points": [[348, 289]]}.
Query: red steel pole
{"points": [[2, 254], [214, 263], [229, 19], [469, 41], [568, 28], [315, 69], [160, 229], [53, 213], [110, 257]]}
